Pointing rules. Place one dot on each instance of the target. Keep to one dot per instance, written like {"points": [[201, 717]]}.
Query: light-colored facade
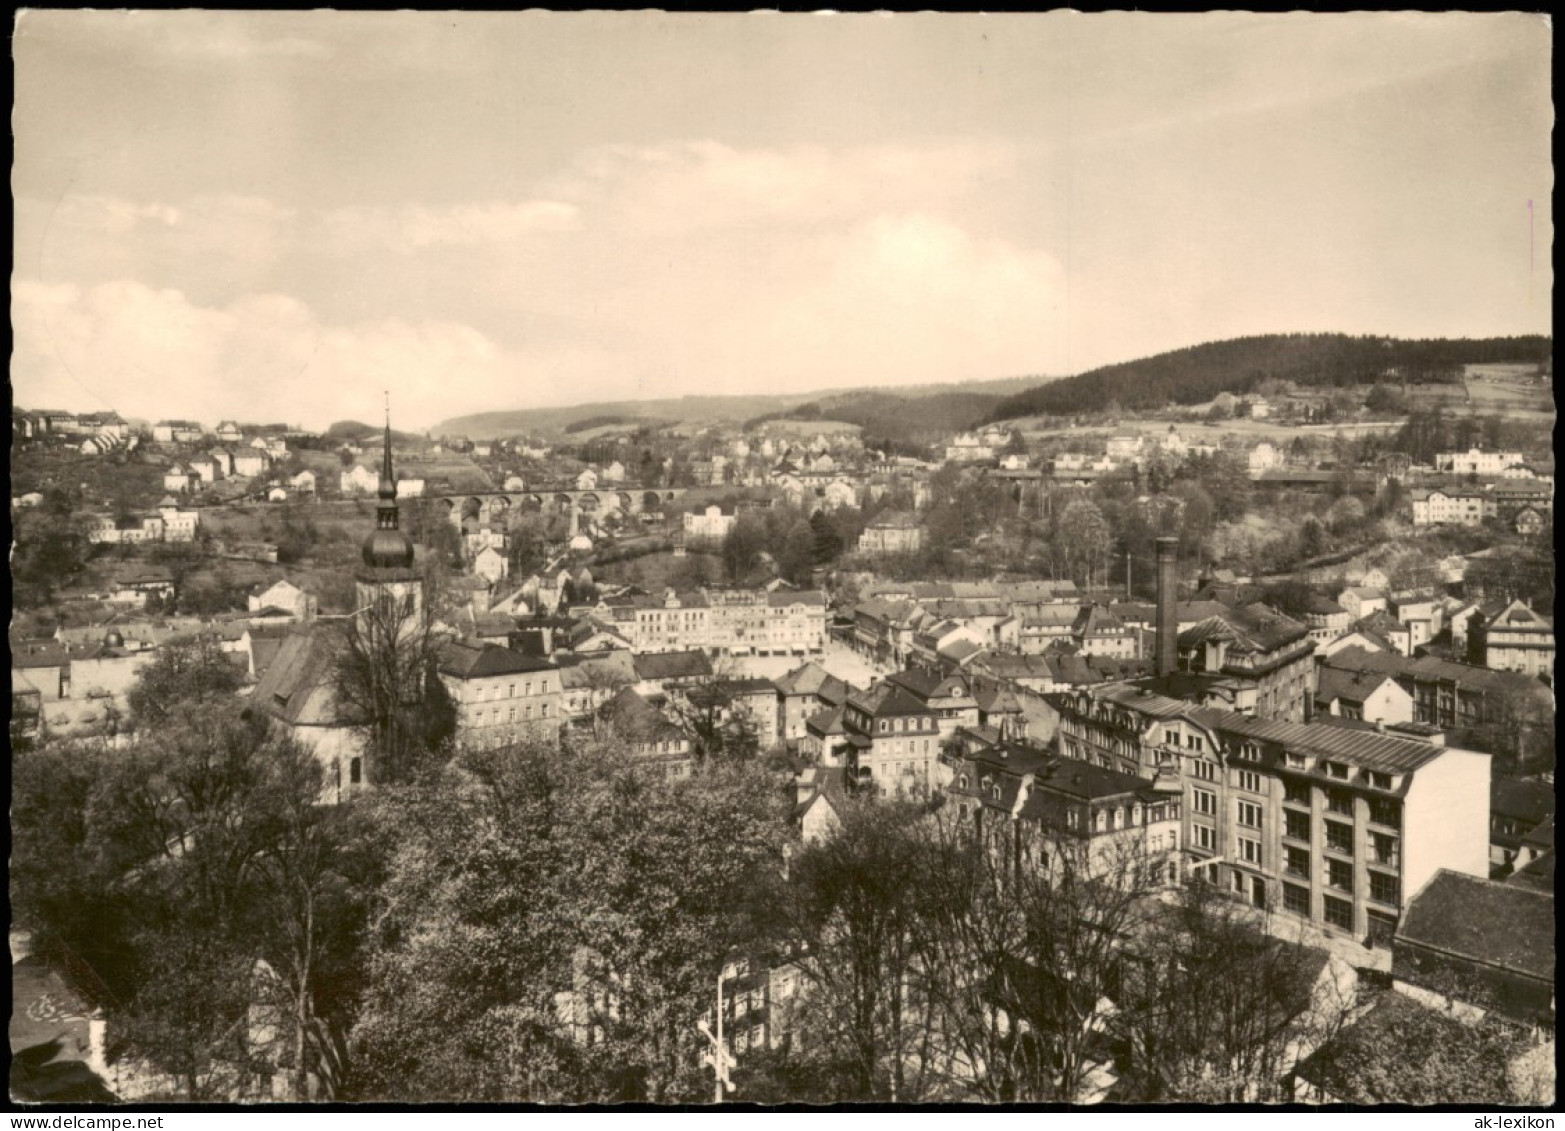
{"points": [[1448, 507], [710, 525], [1331, 824], [895, 532], [1476, 461], [500, 695], [1517, 639]]}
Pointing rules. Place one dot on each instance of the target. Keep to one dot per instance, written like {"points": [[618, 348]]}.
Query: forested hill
{"points": [[893, 416], [1198, 373]]}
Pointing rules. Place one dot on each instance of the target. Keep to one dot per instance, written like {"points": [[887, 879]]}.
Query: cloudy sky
{"points": [[278, 215]]}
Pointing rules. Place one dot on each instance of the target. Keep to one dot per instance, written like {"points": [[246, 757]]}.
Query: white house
{"points": [[358, 480], [176, 478], [709, 525], [250, 463], [410, 488], [1265, 457], [1476, 461], [179, 525], [490, 564], [1360, 601], [284, 596], [304, 482]]}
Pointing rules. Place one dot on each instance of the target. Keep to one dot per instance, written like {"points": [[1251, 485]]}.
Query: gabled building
{"points": [[1031, 807], [1265, 659], [802, 693], [1098, 632], [892, 532], [891, 741], [1517, 808], [1371, 697], [500, 695], [652, 737], [1514, 639]]}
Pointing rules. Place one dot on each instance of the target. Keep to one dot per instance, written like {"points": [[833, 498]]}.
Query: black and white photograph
{"points": [[781, 560]]}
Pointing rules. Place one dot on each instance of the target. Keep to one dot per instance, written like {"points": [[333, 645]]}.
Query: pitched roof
{"points": [[299, 685], [637, 719], [673, 665], [887, 700], [1502, 924], [1369, 750], [806, 679], [1434, 668], [472, 659], [1084, 781], [785, 597], [1351, 687], [1529, 802], [597, 667], [1250, 629], [926, 684], [1538, 875]]}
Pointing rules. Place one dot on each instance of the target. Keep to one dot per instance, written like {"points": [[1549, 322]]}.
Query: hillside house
{"points": [[892, 532]]}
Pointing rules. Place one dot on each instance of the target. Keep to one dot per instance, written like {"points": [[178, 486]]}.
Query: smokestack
{"points": [[1167, 615]]}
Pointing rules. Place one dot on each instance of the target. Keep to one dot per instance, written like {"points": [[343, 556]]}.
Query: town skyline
{"points": [[279, 215]]}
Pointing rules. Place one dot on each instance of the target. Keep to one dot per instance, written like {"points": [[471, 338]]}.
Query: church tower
{"points": [[389, 589]]}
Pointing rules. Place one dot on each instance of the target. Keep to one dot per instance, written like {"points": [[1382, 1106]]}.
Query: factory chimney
{"points": [[1167, 612]]}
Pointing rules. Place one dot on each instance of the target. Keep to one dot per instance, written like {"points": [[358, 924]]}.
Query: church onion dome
{"points": [[388, 549]]}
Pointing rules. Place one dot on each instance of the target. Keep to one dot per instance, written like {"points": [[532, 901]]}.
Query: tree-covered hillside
{"points": [[1199, 373], [894, 417]]}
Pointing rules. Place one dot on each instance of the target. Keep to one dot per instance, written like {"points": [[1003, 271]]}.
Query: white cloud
{"points": [[906, 299], [416, 227], [650, 271], [153, 353]]}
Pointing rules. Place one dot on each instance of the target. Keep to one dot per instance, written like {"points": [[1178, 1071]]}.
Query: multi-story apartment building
{"points": [[1476, 461], [883, 629], [1448, 506], [950, 697], [890, 740], [1261, 660], [735, 621], [1514, 639], [1099, 632], [499, 694], [1033, 807], [1455, 696], [1333, 824]]}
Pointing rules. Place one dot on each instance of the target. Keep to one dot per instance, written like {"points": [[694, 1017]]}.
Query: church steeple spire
{"points": [[387, 547]]}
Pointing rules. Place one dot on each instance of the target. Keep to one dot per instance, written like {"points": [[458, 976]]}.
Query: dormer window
{"points": [[1336, 770], [1378, 780]]}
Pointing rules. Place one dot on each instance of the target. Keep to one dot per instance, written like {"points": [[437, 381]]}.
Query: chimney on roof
{"points": [[1167, 616]]}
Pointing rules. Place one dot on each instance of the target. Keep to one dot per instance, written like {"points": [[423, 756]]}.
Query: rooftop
{"points": [[471, 659], [1504, 925], [1369, 750]]}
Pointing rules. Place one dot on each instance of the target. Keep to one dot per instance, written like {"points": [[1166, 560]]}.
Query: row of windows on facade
{"points": [[477, 717], [1297, 900], [1250, 780], [510, 691]]}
